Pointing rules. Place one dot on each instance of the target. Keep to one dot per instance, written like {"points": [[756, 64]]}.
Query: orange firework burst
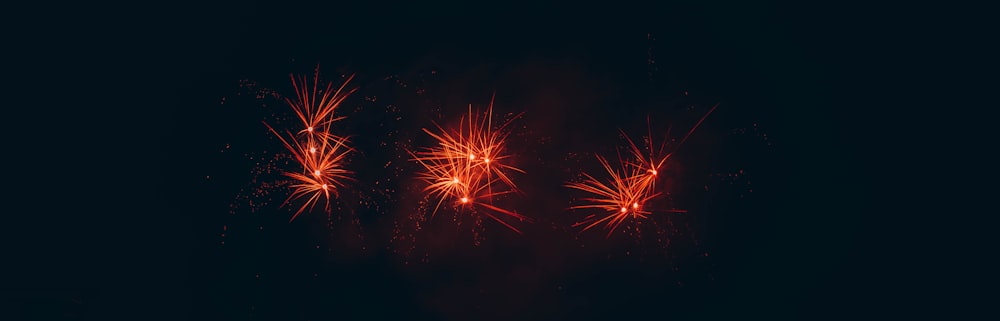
{"points": [[623, 196], [320, 153], [469, 166], [628, 188]]}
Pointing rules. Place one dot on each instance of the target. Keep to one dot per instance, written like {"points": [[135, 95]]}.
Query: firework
{"points": [[469, 166], [628, 188], [316, 112], [319, 153]]}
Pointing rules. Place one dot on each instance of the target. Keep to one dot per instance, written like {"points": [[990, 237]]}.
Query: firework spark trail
{"points": [[469, 166], [320, 153], [316, 114], [628, 188]]}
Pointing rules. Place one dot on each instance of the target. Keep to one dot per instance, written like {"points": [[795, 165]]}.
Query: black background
{"points": [[122, 122]]}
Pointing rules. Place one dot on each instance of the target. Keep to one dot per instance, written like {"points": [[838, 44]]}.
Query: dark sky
{"points": [[135, 224]]}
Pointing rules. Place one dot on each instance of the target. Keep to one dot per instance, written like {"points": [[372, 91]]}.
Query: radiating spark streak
{"points": [[628, 188], [468, 165], [696, 125], [503, 211], [654, 160]]}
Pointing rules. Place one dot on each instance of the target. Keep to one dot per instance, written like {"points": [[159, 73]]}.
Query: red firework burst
{"points": [[628, 188], [320, 153], [469, 165]]}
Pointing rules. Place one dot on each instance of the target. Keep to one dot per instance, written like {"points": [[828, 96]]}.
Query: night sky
{"points": [[167, 211]]}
